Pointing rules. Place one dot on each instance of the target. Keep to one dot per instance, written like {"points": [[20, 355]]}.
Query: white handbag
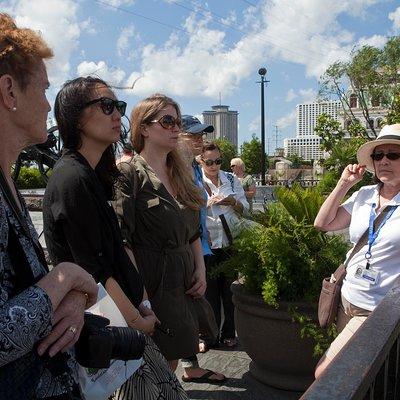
{"points": [[99, 384]]}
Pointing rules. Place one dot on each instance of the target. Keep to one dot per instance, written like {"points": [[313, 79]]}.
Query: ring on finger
{"points": [[72, 329]]}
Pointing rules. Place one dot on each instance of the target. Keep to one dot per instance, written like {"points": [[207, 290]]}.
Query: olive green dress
{"points": [[158, 229]]}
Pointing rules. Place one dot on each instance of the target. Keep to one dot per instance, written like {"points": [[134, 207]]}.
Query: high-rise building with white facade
{"points": [[307, 143], [225, 123], [307, 115]]}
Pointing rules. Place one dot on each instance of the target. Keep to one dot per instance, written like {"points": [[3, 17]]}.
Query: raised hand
{"points": [[353, 173]]}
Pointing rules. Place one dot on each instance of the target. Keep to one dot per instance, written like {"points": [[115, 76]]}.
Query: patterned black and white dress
{"points": [[25, 318]]}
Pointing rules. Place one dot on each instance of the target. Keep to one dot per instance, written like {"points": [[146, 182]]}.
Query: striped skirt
{"points": [[154, 380]]}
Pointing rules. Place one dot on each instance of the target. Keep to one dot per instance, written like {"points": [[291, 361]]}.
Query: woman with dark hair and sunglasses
{"points": [[374, 267], [226, 199], [80, 224], [158, 206]]}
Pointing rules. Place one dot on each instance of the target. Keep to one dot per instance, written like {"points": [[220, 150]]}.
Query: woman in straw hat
{"points": [[372, 270]]}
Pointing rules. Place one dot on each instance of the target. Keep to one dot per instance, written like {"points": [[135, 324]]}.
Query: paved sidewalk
{"points": [[240, 385]]}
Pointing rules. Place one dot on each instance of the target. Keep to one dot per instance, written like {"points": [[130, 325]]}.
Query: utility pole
{"points": [[262, 72], [276, 137]]}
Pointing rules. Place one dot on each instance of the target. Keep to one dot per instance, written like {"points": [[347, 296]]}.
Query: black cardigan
{"points": [[80, 226]]}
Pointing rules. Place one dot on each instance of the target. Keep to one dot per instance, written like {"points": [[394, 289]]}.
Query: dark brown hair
{"points": [[68, 109], [21, 50], [210, 146]]}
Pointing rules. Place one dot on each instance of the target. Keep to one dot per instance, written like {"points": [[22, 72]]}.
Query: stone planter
{"points": [[280, 357]]}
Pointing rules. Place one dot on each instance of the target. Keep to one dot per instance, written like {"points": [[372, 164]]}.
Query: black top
{"points": [[80, 226]]}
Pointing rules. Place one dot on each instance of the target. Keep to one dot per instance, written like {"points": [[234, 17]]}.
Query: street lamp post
{"points": [[262, 72]]}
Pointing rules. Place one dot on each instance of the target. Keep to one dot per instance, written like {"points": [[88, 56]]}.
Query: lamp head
{"points": [[262, 71]]}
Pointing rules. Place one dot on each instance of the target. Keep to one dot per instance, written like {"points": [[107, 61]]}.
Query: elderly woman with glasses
{"points": [[80, 224], [226, 200], [373, 266], [158, 206]]}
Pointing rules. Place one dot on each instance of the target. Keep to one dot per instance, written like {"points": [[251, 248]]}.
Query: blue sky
{"points": [[192, 50]]}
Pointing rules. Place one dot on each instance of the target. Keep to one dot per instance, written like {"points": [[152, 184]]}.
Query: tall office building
{"points": [[307, 143], [225, 123], [308, 113]]}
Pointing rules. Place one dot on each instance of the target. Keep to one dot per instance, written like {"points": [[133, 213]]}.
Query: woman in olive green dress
{"points": [[158, 204]]}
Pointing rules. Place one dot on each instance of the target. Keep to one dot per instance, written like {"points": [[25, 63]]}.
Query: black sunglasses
{"points": [[107, 105], [392, 156], [168, 121], [209, 162]]}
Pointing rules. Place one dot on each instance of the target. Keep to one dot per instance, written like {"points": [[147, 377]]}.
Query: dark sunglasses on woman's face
{"points": [[209, 162], [392, 156], [168, 121], [107, 105]]}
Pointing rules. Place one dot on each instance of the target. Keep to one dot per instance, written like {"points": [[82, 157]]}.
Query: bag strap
{"points": [[364, 238], [227, 230]]}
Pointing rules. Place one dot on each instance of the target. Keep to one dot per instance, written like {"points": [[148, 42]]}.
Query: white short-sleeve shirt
{"points": [[213, 222], [385, 251]]}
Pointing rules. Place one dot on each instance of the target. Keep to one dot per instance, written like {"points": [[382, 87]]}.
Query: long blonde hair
{"points": [[180, 175]]}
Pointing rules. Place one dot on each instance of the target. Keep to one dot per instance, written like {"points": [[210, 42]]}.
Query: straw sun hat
{"points": [[390, 134]]}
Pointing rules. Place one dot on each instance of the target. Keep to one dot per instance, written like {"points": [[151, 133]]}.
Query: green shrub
{"points": [[287, 258], [30, 178]]}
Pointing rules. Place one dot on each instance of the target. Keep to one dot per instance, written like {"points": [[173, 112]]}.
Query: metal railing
{"points": [[368, 366]]}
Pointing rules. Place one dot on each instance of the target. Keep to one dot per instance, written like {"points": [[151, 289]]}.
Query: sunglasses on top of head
{"points": [[209, 162], [391, 155], [168, 121]]}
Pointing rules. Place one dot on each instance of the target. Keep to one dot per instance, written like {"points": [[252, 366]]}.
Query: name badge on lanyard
{"points": [[365, 272]]}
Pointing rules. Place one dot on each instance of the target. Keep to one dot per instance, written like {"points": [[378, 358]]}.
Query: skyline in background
{"points": [[203, 53]]}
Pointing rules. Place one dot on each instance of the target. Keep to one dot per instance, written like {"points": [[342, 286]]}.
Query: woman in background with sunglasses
{"points": [[158, 206], [372, 270], [226, 199], [80, 224]]}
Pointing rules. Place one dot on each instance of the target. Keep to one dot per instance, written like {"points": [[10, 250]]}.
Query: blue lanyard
{"points": [[373, 235]]}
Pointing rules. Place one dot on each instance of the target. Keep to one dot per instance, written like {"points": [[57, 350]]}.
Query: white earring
{"points": [[14, 109]]}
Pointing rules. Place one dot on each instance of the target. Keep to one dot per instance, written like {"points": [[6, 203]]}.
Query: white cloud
{"points": [[88, 26], [124, 41], [286, 120], [113, 76], [290, 95], [255, 125], [395, 17], [306, 32], [118, 3], [308, 95], [375, 40], [60, 28]]}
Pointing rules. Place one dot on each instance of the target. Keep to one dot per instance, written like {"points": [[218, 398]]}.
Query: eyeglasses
{"points": [[233, 166], [209, 162], [392, 156], [168, 121], [107, 105]]}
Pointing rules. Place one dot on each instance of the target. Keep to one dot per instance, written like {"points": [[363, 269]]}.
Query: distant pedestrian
{"points": [[247, 181]]}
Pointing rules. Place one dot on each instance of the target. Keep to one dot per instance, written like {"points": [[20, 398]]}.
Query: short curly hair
{"points": [[21, 49]]}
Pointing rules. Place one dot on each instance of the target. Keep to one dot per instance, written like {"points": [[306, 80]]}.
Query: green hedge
{"points": [[30, 178]]}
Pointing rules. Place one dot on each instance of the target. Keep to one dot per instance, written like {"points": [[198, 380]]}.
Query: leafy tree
{"points": [[296, 160], [228, 151], [372, 75], [251, 155], [393, 116], [329, 130]]}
